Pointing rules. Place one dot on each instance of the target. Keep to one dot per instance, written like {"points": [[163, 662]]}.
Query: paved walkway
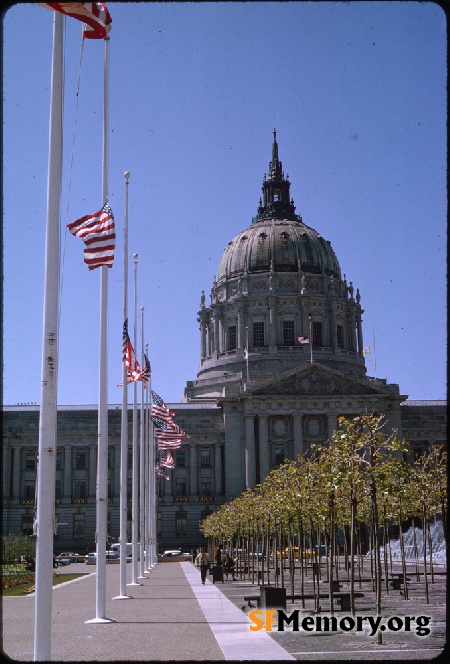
{"points": [[171, 616]]}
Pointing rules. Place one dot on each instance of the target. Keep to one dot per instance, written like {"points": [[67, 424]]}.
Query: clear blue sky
{"points": [[357, 93]]}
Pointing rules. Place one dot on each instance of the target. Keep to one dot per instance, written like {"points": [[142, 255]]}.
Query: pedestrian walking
{"points": [[202, 561]]}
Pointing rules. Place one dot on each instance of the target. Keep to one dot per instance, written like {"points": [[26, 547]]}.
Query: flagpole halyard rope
{"points": [[63, 248]]}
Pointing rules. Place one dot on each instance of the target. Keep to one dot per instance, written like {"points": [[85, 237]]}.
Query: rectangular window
{"points": [[317, 334], [27, 524], [161, 487], [130, 458], [288, 333], [180, 458], [30, 488], [58, 461], [30, 460], [205, 487], [232, 337], [181, 487], [129, 490], [78, 526], [279, 454], [58, 493], [80, 489], [181, 524], [340, 336], [80, 459], [258, 334], [205, 458]]}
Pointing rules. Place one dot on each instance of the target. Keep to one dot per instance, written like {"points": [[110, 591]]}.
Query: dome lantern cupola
{"points": [[278, 282], [276, 202]]}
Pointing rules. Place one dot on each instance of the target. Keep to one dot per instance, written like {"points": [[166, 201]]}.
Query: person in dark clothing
{"points": [[228, 566], [202, 561], [218, 556]]}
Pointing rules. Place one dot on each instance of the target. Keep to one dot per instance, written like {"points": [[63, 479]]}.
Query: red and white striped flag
{"points": [[160, 409], [159, 471], [167, 460], [99, 235], [94, 15], [129, 358]]}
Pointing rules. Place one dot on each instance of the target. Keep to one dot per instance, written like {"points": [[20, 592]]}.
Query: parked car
{"points": [[174, 552], [67, 558], [111, 557]]}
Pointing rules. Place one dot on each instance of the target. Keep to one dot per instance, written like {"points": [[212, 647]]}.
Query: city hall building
{"points": [[261, 394]]}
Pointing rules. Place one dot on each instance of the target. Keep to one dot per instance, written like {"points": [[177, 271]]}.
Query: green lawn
{"points": [[21, 590]]}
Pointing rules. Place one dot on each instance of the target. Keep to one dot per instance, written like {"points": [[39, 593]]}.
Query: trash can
{"points": [[272, 598], [217, 573]]}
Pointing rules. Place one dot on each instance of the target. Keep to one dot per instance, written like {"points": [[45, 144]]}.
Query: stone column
{"points": [[218, 490], [16, 473], [352, 331], [216, 333], [92, 470], [359, 333], [332, 425], [6, 456], [264, 455], [250, 470], [202, 339], [67, 483], [298, 436], [333, 330], [192, 490]]}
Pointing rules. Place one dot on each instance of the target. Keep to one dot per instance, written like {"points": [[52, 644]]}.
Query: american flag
{"points": [[302, 340], [160, 409], [99, 235], [128, 356], [146, 371], [159, 471], [94, 15], [168, 430], [167, 460]]}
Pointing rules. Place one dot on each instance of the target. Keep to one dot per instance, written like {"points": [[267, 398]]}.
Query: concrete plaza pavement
{"points": [[171, 617]]}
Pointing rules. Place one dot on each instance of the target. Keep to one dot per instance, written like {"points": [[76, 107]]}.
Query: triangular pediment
{"points": [[316, 379]]}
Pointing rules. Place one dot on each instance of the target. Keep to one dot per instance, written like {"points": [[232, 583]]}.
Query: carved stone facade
{"points": [[261, 394]]}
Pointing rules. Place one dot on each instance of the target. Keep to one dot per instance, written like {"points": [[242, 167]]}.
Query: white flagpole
{"points": [[147, 478], [124, 422], [142, 466], [310, 338], [152, 481], [135, 468], [46, 468], [374, 354], [102, 447]]}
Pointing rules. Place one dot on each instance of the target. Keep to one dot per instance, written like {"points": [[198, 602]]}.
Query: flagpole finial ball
{"points": [[142, 308], [135, 255], [126, 174]]}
